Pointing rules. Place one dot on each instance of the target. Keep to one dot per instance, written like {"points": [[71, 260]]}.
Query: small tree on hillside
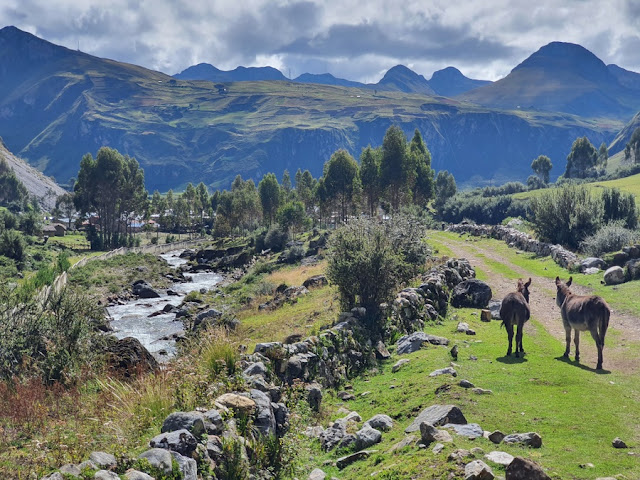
{"points": [[582, 159], [424, 189], [342, 181], [632, 149], [269, 192], [603, 155], [446, 188], [541, 166], [370, 177]]}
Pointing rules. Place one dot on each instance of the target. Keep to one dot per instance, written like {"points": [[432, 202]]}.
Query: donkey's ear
{"points": [[557, 280], [569, 282], [528, 283]]}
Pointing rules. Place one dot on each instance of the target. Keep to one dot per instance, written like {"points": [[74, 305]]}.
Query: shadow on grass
{"points": [[573, 363], [512, 359]]}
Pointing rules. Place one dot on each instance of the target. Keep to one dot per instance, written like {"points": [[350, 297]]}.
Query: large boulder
{"points": [[614, 276], [264, 420], [592, 262], [180, 441], [478, 470], [413, 342], [523, 469], [237, 402], [103, 460], [437, 415], [187, 466], [632, 268], [159, 458], [128, 356], [194, 422], [529, 439], [315, 281], [143, 290], [471, 293], [380, 422], [367, 436]]}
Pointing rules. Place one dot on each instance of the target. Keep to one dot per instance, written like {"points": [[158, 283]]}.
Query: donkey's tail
{"points": [[604, 322]]}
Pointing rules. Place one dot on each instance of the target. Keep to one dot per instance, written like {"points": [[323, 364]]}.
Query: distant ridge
{"points": [[563, 77], [327, 79], [450, 82], [205, 71]]}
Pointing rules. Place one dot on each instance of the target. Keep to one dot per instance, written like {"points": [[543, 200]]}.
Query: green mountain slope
{"points": [[620, 142], [563, 77], [61, 104]]}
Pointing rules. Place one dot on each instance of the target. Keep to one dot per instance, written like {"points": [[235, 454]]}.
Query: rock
{"points": [[413, 342], [398, 365], [266, 348], [88, 464], [494, 308], [315, 282], [523, 469], [237, 402], [592, 262], [191, 421], [469, 430], [367, 436], [380, 422], [496, 436], [137, 475], [347, 460], [257, 368], [463, 327], [501, 458], [129, 356], [158, 458], [54, 476], [214, 423], [317, 474], [478, 470], [437, 415], [314, 432], [437, 448], [332, 436], [444, 371], [205, 316], [180, 441], [314, 396], [142, 289], [430, 434], [482, 391], [614, 276], [405, 442], [454, 352], [352, 417], [591, 271], [381, 351], [471, 293], [632, 268], [106, 475], [188, 466], [345, 396], [485, 315], [70, 469], [459, 455], [466, 384], [103, 460], [264, 419], [617, 443], [530, 439]]}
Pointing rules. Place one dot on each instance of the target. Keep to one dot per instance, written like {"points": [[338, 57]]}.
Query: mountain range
{"points": [[447, 82], [57, 104]]}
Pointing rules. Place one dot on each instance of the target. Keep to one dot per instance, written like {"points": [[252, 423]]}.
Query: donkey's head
{"points": [[523, 288], [562, 290]]}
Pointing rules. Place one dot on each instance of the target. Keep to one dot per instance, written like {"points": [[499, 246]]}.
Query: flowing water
{"points": [[155, 333]]}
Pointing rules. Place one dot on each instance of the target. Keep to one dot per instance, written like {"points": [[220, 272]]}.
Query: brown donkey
{"points": [[582, 312], [515, 311]]}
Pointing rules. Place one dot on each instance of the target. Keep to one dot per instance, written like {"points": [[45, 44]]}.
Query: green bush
{"points": [[610, 238], [12, 245], [293, 254], [276, 238], [480, 209], [566, 215], [620, 206]]}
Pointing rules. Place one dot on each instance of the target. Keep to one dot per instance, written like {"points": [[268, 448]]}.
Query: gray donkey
{"points": [[582, 312], [515, 311]]}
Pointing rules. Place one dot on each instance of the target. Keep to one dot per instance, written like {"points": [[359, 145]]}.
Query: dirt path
{"points": [[547, 313]]}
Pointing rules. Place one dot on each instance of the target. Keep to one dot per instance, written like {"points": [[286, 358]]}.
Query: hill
{"points": [[39, 186], [205, 71], [60, 104], [620, 142], [403, 79], [450, 82], [563, 77]]}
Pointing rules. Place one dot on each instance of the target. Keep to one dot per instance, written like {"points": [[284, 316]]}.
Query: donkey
{"points": [[515, 311], [582, 312]]}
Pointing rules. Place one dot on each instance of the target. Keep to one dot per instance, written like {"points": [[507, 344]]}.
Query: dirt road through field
{"points": [[623, 330]]}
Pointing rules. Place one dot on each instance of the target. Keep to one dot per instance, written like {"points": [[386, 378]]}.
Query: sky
{"points": [[354, 39]]}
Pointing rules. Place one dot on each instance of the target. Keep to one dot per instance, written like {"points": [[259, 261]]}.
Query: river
{"points": [[132, 319]]}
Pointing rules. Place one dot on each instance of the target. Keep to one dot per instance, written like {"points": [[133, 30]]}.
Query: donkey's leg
{"points": [[599, 344], [567, 331], [519, 347], [509, 326], [576, 340]]}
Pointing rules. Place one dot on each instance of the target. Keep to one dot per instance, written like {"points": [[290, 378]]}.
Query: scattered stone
{"points": [[137, 475], [437, 415], [485, 315], [501, 458], [454, 352], [265, 421], [413, 342], [592, 262], [345, 396], [103, 460], [237, 402], [444, 371], [405, 442], [618, 443], [106, 475], [129, 356], [614, 276], [314, 396], [158, 458], [188, 466], [478, 470], [380, 422], [54, 476], [482, 391], [315, 282], [459, 455], [523, 469], [430, 434], [443, 388], [494, 308], [469, 430], [191, 421], [463, 327], [367, 436], [473, 358], [437, 448], [347, 460], [398, 365], [257, 368], [587, 465], [316, 473], [142, 289], [591, 271], [381, 351], [214, 423], [314, 432], [466, 384], [471, 293], [180, 441], [70, 469], [496, 436], [530, 439]]}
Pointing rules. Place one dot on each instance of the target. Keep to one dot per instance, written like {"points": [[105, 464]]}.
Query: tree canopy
{"points": [[582, 159], [541, 166]]}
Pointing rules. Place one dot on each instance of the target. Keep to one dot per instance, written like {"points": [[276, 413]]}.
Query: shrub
{"points": [[276, 238], [566, 215], [610, 238], [620, 206], [293, 254], [12, 245], [217, 353], [369, 260], [480, 209]]}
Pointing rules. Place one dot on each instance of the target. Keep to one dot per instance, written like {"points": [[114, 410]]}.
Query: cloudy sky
{"points": [[354, 39]]}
